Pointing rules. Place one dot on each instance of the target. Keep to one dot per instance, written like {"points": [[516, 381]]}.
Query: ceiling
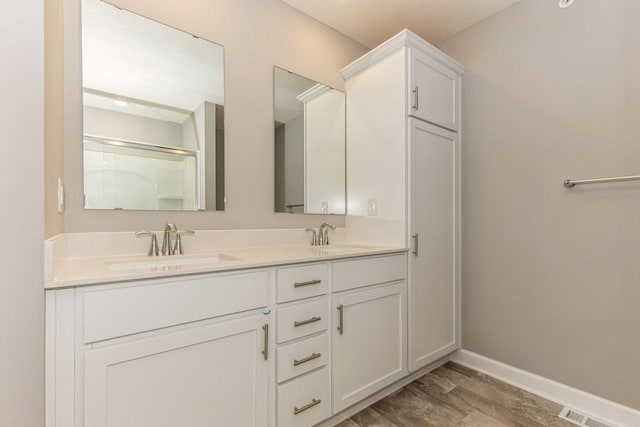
{"points": [[371, 22]]}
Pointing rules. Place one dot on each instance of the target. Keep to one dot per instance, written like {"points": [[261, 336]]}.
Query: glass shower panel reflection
{"points": [[118, 177]]}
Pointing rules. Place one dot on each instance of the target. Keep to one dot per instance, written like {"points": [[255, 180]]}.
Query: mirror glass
{"points": [[309, 145], [153, 114]]}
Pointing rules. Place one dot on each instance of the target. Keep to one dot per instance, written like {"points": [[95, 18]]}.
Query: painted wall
{"points": [[256, 35], [551, 276], [54, 116], [21, 171]]}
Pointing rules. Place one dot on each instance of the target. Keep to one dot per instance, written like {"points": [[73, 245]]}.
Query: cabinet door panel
{"points": [[434, 218], [370, 352], [213, 375], [433, 91]]}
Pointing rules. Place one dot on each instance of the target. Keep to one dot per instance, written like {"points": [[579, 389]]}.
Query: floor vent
{"points": [[581, 419]]}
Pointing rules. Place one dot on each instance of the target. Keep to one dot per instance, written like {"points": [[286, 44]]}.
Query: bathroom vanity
{"points": [[283, 336]]}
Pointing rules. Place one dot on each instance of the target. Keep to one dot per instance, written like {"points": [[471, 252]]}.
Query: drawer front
{"points": [[302, 319], [115, 312], [368, 271], [302, 282], [304, 401], [304, 356]]}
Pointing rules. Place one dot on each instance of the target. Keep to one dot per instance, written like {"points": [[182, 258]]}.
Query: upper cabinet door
{"points": [[208, 376], [433, 91]]}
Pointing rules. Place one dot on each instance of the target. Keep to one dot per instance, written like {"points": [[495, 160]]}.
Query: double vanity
{"points": [[288, 327], [252, 336]]}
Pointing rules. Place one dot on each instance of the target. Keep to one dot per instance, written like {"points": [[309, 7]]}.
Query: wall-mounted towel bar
{"points": [[569, 183]]}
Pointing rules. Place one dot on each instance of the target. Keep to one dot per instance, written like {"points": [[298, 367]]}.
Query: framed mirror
{"points": [[309, 135], [153, 114]]}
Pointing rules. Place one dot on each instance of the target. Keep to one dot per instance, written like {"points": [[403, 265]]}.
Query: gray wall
{"points": [[256, 35], [22, 193], [551, 278]]}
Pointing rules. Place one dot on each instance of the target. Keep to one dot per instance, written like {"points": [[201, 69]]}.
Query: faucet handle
{"points": [[178, 249], [314, 238], [153, 249]]}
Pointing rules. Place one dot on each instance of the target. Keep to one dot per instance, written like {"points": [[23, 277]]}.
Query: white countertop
{"points": [[79, 271]]}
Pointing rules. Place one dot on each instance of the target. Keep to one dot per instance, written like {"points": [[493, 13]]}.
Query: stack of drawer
{"points": [[302, 351]]}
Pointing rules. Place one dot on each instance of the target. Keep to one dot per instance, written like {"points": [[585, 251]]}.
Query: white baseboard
{"points": [[597, 407]]}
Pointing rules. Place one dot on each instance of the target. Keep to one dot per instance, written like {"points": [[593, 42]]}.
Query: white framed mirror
{"points": [[309, 136], [153, 114]]}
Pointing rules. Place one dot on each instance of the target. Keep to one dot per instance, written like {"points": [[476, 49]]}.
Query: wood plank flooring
{"points": [[455, 396]]}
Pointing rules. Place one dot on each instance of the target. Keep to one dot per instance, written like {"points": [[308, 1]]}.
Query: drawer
{"points": [[305, 281], [301, 357], [112, 311], [356, 273], [302, 319], [304, 401]]}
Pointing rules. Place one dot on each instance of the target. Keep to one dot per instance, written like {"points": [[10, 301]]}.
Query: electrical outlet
{"points": [[60, 196], [372, 207], [324, 207]]}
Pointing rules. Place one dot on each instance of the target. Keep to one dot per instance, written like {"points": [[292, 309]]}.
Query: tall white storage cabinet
{"points": [[403, 178]]}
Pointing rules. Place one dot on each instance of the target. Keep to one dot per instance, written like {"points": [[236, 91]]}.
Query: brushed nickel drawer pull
{"points": [[265, 344], [309, 405], [415, 98], [305, 322], [297, 362], [309, 283], [341, 320], [415, 244]]}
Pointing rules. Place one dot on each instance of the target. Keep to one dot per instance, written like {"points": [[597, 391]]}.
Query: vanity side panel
{"points": [[60, 358], [376, 152]]}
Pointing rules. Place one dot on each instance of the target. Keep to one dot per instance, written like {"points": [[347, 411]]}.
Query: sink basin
{"points": [[329, 249], [168, 262]]}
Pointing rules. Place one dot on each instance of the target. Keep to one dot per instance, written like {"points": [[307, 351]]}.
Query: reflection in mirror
{"points": [[309, 145], [153, 114]]}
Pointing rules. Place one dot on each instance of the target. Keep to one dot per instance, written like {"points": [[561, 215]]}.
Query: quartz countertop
{"points": [[80, 271]]}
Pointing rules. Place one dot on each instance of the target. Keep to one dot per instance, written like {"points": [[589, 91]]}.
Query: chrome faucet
{"points": [[323, 233], [168, 248], [321, 237], [169, 229]]}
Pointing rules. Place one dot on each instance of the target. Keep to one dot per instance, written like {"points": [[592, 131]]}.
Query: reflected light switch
{"points": [[372, 207]]}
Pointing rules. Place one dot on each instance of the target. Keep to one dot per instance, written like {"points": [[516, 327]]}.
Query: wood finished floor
{"points": [[455, 396]]}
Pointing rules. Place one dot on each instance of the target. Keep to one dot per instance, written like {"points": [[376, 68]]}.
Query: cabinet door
{"points": [[433, 266], [369, 341], [433, 90], [207, 376]]}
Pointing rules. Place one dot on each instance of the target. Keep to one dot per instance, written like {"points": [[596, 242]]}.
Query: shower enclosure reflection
{"points": [[153, 114]]}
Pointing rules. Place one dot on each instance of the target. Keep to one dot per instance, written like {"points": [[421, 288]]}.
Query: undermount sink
{"points": [[338, 249], [168, 262]]}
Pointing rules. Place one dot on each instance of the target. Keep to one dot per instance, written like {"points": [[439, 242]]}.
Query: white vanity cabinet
{"points": [[285, 346], [192, 350], [370, 332], [403, 151]]}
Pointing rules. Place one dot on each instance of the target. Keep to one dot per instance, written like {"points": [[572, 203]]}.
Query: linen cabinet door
{"points": [[369, 341], [207, 376], [433, 91], [433, 265]]}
